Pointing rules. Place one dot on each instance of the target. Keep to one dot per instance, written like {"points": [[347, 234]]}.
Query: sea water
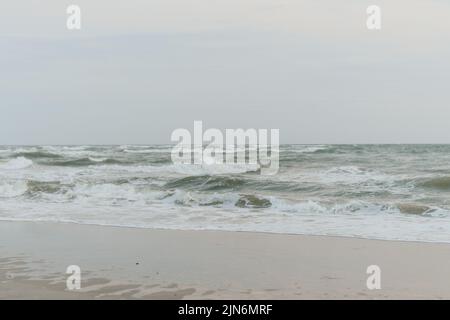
{"points": [[371, 191]]}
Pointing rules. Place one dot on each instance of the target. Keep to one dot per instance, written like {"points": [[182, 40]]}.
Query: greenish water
{"points": [[372, 191]]}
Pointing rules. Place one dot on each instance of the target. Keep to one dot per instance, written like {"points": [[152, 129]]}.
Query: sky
{"points": [[139, 69]]}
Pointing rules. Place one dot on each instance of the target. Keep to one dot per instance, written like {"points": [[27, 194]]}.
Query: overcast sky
{"points": [[138, 69]]}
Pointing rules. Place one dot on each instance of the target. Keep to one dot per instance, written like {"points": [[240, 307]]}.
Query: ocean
{"points": [[393, 192]]}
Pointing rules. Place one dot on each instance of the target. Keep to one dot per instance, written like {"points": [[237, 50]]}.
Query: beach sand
{"points": [[129, 263]]}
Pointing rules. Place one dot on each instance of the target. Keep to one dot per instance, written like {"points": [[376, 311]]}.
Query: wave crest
{"points": [[17, 164], [12, 189], [439, 183]]}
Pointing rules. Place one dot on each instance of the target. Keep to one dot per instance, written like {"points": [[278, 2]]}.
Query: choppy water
{"points": [[371, 191]]}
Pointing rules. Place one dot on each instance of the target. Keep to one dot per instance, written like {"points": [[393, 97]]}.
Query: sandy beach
{"points": [[127, 263]]}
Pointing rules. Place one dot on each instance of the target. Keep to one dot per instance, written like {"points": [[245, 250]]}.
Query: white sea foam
{"points": [[106, 191], [25, 149], [362, 192], [189, 216], [147, 151], [186, 169], [16, 164], [97, 159], [71, 151], [347, 175], [213, 169], [12, 189], [308, 148]]}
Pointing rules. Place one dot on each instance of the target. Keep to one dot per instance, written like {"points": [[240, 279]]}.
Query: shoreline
{"points": [[138, 263], [223, 231]]}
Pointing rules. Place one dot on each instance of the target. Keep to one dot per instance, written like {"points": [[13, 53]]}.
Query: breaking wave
{"points": [[438, 183], [12, 189], [90, 161], [16, 164], [393, 192]]}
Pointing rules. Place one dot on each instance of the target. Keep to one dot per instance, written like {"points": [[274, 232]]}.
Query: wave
{"points": [[75, 151], [89, 161], [206, 183], [309, 148], [213, 169], [30, 188], [252, 201], [236, 183], [438, 183], [17, 164], [350, 175], [279, 205], [107, 191], [66, 148], [374, 191], [347, 170], [201, 191], [186, 169], [35, 188], [12, 189], [220, 200], [148, 151], [98, 159], [38, 155], [412, 208]]}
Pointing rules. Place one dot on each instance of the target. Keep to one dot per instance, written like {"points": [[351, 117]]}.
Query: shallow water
{"points": [[372, 191]]}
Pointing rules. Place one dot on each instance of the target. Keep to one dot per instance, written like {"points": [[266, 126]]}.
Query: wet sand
{"points": [[128, 263]]}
